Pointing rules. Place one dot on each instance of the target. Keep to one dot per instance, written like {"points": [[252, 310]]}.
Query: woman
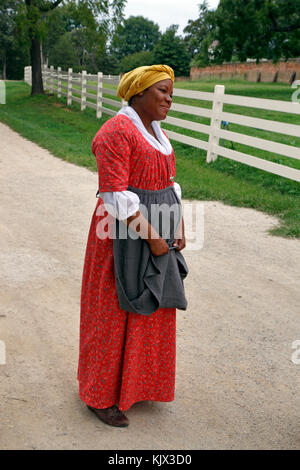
{"points": [[126, 357]]}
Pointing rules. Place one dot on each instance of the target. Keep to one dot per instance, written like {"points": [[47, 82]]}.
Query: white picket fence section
{"points": [[85, 89], [215, 132], [62, 83]]}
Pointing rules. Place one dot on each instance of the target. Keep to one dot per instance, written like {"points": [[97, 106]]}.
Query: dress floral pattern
{"points": [[123, 357]]}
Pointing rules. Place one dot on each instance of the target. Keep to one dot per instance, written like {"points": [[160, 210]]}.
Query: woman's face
{"points": [[157, 99]]}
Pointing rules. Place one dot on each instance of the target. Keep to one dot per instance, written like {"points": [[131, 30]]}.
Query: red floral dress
{"points": [[124, 357]]}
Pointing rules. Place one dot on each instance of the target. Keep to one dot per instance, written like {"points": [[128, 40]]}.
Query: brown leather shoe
{"points": [[112, 416]]}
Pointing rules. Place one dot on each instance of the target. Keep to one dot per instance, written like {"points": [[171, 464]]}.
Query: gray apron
{"points": [[145, 282]]}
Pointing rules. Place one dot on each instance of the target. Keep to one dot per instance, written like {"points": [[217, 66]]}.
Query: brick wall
{"points": [[265, 71]]}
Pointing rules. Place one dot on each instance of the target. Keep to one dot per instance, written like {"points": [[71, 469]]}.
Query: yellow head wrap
{"points": [[139, 79]]}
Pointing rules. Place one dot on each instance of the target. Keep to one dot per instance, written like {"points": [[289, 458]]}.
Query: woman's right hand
{"points": [[141, 226], [158, 246]]}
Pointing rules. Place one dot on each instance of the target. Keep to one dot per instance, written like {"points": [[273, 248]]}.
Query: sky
{"points": [[166, 12]]}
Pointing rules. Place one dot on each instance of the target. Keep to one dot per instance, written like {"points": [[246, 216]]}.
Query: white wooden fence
{"points": [[85, 89], [92, 87]]}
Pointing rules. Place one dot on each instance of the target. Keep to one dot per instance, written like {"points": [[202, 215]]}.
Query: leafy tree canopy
{"points": [[257, 29], [92, 18], [198, 30], [241, 29], [199, 35], [13, 48], [134, 35], [137, 59], [171, 50]]}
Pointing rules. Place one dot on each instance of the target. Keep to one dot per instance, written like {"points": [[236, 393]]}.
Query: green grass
{"points": [[68, 132]]}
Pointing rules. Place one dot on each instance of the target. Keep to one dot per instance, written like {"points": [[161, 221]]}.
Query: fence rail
{"points": [[88, 90]]}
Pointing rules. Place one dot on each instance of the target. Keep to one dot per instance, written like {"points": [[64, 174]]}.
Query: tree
{"points": [[74, 38], [239, 29], [198, 30], [283, 27], [136, 60], [257, 28], [200, 34], [14, 52], [136, 34], [7, 28], [283, 15], [107, 64], [171, 50], [63, 54], [58, 22], [35, 14]]}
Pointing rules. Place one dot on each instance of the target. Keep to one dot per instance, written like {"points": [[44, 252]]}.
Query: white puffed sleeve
{"points": [[177, 189], [123, 204], [120, 204]]}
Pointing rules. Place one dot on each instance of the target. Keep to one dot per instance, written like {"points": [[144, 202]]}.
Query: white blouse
{"points": [[123, 204]]}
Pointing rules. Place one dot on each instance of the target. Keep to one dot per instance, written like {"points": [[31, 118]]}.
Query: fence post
{"points": [[27, 75], [59, 82], [69, 101], [99, 95], [83, 90], [51, 79], [2, 353], [45, 77], [215, 122]]}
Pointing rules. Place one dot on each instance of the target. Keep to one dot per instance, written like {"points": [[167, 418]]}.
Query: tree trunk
{"points": [[36, 67]]}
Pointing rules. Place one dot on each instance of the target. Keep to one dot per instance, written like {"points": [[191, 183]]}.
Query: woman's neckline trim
{"points": [[152, 141]]}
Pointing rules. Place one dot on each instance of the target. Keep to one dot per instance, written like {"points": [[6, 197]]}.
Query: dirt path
{"points": [[236, 385]]}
